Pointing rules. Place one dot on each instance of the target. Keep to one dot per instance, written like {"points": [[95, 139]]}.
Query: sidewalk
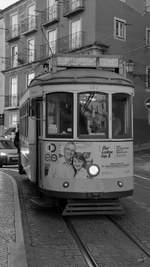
{"points": [[12, 250]]}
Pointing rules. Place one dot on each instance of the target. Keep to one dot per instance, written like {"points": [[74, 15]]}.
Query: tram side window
{"points": [[59, 114], [93, 114], [121, 115], [24, 115]]}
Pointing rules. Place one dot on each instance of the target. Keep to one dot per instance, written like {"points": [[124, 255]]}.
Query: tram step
{"points": [[105, 207]]}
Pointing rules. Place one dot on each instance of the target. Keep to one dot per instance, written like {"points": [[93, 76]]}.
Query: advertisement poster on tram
{"points": [[72, 160]]}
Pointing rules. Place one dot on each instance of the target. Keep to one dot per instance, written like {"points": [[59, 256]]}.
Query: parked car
{"points": [[8, 153], [9, 134]]}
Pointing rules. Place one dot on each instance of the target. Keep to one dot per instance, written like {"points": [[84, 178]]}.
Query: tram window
{"points": [[121, 115], [93, 114], [59, 111], [24, 114]]}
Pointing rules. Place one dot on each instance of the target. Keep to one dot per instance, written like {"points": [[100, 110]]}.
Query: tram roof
{"points": [[80, 75]]}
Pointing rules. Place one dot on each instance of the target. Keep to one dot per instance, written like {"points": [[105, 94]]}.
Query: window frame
{"points": [[147, 81], [14, 56], [78, 34], [24, 118], [52, 50], [147, 37], [53, 8], [14, 30], [31, 25], [119, 35], [93, 135], [27, 78], [147, 5], [126, 124], [58, 135], [13, 95], [31, 58], [75, 4]]}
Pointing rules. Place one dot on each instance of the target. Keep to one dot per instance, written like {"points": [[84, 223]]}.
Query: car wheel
{"points": [[1, 165]]}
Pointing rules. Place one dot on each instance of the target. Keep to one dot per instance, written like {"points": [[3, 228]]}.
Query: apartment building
{"points": [[38, 30], [2, 64]]}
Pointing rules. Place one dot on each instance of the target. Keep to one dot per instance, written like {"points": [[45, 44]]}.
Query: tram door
{"points": [[39, 131]]}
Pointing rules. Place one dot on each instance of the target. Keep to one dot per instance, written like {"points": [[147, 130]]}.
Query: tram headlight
{"points": [[120, 184], [93, 170], [66, 184]]}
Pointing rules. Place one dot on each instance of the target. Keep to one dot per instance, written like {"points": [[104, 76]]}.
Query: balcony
{"points": [[29, 25], [73, 7], [66, 44], [25, 57], [50, 15], [11, 102], [13, 33], [48, 50]]}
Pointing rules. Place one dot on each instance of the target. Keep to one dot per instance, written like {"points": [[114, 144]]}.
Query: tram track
{"points": [[89, 259], [132, 237]]}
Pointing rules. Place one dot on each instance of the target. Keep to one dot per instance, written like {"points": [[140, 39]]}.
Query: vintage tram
{"points": [[76, 135]]}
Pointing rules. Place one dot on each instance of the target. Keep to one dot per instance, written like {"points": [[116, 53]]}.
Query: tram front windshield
{"points": [[95, 116]]}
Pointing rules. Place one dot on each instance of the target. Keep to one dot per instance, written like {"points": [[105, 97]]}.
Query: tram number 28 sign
{"points": [[147, 104]]}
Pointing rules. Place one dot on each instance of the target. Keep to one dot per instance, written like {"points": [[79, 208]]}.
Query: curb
{"points": [[16, 250]]}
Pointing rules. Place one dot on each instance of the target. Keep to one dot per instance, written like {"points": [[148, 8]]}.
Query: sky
{"points": [[6, 3]]}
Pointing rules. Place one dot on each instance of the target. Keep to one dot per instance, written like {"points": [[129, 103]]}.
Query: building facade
{"points": [[37, 30], [2, 65]]}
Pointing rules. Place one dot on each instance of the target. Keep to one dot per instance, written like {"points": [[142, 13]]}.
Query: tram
{"points": [[76, 135]]}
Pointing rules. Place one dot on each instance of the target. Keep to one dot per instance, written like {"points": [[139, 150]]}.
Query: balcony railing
{"points": [[64, 45], [11, 101], [23, 57], [50, 15], [13, 32], [73, 6], [29, 24]]}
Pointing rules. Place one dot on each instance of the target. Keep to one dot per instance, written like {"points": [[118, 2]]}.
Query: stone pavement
{"points": [[12, 250]]}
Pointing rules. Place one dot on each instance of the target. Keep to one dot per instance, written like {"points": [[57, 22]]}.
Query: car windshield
{"points": [[6, 144]]}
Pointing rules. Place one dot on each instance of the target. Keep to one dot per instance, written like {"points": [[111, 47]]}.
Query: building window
{"points": [[76, 34], [119, 29], [14, 119], [52, 9], [148, 77], [14, 91], [147, 5], [52, 42], [31, 17], [14, 25], [148, 36], [30, 77], [31, 50], [14, 56], [75, 4]]}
